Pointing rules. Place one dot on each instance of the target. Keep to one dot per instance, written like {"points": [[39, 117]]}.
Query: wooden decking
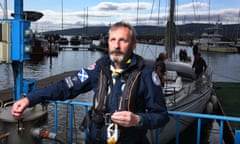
{"points": [[6, 95]]}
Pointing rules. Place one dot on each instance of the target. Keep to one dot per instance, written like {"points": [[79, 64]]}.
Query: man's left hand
{"points": [[125, 118]]}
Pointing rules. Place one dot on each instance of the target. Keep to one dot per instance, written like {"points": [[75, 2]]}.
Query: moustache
{"points": [[116, 52]]}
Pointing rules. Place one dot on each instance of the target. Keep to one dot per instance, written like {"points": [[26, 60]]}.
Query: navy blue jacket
{"points": [[153, 110]]}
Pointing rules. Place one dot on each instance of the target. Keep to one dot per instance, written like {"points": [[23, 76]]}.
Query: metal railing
{"points": [[177, 114]]}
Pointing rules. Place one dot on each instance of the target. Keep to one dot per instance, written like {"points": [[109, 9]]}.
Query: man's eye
{"points": [[112, 40], [124, 40]]}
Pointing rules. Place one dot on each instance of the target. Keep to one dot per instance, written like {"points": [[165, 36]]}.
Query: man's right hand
{"points": [[19, 107]]}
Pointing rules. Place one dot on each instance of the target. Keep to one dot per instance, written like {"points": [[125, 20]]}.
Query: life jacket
{"points": [[127, 99]]}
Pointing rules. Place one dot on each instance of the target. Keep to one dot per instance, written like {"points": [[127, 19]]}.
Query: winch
{"points": [[21, 131]]}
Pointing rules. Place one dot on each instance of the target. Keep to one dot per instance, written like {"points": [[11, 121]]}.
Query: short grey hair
{"points": [[126, 25]]}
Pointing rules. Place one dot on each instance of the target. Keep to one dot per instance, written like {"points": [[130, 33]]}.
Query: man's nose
{"points": [[117, 45]]}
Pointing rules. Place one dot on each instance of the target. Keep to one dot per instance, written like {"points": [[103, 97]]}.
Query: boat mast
{"points": [[62, 17], [5, 11], [171, 32], [137, 12]]}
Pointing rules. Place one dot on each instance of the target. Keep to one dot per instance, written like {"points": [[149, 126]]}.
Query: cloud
{"points": [[111, 6], [225, 16], [193, 5], [105, 13]]}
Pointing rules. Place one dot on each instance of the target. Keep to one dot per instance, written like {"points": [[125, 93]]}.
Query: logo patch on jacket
{"points": [[69, 82], [82, 75], [92, 67]]}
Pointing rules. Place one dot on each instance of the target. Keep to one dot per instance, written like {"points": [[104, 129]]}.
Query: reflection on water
{"points": [[6, 79], [225, 66]]}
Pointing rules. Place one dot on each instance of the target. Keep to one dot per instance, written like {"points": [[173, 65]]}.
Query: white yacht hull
{"points": [[193, 97]]}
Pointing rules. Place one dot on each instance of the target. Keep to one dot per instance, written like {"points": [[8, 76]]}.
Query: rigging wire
{"points": [[238, 23], [166, 10], [194, 9], [153, 1], [208, 59], [1, 7], [137, 12], [176, 16], [235, 34], [158, 24], [158, 18]]}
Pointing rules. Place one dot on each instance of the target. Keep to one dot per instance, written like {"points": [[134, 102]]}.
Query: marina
{"points": [[51, 69], [194, 101]]}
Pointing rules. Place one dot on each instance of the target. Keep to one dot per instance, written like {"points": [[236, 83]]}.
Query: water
{"points": [[225, 67]]}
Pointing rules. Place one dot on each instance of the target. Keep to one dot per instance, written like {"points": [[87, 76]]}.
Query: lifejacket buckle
{"points": [[107, 119], [112, 133]]}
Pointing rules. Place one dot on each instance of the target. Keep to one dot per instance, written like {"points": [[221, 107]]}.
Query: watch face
{"points": [[140, 122], [155, 78]]}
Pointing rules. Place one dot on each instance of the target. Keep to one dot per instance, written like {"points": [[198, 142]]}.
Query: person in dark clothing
{"points": [[195, 50], [183, 55], [127, 91], [160, 67], [199, 65]]}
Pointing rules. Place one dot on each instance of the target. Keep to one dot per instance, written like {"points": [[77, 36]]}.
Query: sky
{"points": [[64, 14]]}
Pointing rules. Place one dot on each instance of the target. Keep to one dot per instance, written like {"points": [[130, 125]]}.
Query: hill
{"points": [[186, 31]]}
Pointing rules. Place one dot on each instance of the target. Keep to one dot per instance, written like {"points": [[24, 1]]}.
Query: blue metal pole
{"points": [[199, 131], [17, 64], [18, 9], [221, 132], [237, 137], [55, 117], [18, 79], [70, 124]]}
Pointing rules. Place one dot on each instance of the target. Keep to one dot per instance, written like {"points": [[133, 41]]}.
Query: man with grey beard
{"points": [[128, 96]]}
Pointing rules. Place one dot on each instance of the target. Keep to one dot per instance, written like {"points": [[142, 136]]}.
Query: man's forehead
{"points": [[119, 31]]}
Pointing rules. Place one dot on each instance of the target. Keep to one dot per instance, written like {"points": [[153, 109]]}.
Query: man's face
{"points": [[120, 45]]}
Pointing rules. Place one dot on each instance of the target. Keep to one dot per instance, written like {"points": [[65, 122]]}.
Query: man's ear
{"points": [[134, 45]]}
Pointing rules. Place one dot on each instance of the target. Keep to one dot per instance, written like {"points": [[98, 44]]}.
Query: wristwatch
{"points": [[140, 121]]}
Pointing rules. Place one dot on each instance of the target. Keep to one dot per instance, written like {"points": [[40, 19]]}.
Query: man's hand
{"points": [[125, 118], [19, 107]]}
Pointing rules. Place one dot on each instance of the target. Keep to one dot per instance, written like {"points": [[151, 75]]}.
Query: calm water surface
{"points": [[225, 67]]}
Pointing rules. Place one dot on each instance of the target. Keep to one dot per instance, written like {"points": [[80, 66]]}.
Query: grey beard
{"points": [[117, 59]]}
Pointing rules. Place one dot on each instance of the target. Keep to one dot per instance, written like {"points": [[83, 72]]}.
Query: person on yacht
{"points": [[160, 67], [199, 65]]}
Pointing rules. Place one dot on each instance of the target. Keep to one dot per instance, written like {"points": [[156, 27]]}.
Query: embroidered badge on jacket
{"points": [[82, 75], [92, 67], [69, 82]]}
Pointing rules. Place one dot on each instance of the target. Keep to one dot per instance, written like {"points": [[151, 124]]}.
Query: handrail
{"points": [[205, 116], [177, 114]]}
